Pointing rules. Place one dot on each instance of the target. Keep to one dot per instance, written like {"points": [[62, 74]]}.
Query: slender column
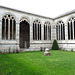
{"points": [[47, 32], [66, 32], [37, 30], [12, 28], [60, 32], [70, 29], [74, 31], [34, 31], [73, 28], [42, 32], [5, 29], [8, 29]]}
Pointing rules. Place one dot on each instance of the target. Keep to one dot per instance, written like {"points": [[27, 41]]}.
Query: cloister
{"points": [[27, 31]]}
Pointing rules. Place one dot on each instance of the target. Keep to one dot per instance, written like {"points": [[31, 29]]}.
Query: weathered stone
{"points": [[46, 53]]}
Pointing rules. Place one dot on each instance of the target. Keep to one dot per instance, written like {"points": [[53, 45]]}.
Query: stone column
{"points": [[34, 31], [42, 32], [0, 29], [60, 32], [53, 31], [5, 30], [31, 31], [12, 28], [17, 32], [70, 29], [37, 30], [47, 32], [66, 32], [73, 28], [8, 29]]}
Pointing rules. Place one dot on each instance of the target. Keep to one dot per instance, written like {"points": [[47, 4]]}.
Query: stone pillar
{"points": [[17, 33], [47, 32], [37, 31], [5, 30], [34, 31], [0, 29], [53, 31], [12, 28], [73, 28], [42, 32], [66, 32], [70, 29], [31, 31], [8, 29], [60, 32]]}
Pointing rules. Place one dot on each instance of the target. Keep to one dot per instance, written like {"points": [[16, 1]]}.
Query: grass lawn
{"points": [[35, 63]]}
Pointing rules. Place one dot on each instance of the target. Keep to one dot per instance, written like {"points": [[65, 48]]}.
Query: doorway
{"points": [[24, 35]]}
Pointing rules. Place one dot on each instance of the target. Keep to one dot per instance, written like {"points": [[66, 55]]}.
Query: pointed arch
{"points": [[8, 27], [71, 28], [36, 30], [47, 31], [60, 30]]}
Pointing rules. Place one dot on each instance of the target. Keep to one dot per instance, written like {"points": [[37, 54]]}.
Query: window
{"points": [[71, 28], [47, 31], [36, 30], [8, 27], [60, 31]]}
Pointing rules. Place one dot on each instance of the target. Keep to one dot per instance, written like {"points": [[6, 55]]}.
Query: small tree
{"points": [[55, 45]]}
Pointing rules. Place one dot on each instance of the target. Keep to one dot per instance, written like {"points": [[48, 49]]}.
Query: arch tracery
{"points": [[60, 30], [8, 27]]}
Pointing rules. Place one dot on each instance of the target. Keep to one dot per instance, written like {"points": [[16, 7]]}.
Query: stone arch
{"points": [[69, 18], [71, 28], [6, 13], [47, 30], [8, 27], [60, 30], [36, 30], [25, 18], [24, 33]]}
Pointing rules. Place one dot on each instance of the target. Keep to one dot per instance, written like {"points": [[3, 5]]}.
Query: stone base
{"points": [[46, 53]]}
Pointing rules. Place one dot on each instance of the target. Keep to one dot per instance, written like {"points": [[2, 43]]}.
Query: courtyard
{"points": [[35, 63]]}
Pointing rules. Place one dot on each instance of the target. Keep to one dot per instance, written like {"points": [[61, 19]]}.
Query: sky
{"points": [[47, 8]]}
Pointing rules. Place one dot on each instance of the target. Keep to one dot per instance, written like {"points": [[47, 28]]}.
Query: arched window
{"points": [[8, 27], [36, 30], [60, 31], [47, 31], [71, 28]]}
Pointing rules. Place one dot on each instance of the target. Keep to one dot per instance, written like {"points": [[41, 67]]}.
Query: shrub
{"points": [[55, 45]]}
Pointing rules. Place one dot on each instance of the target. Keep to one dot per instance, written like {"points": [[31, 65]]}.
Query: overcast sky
{"points": [[48, 8]]}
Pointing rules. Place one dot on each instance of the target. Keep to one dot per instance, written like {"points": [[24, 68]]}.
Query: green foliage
{"points": [[55, 45]]}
